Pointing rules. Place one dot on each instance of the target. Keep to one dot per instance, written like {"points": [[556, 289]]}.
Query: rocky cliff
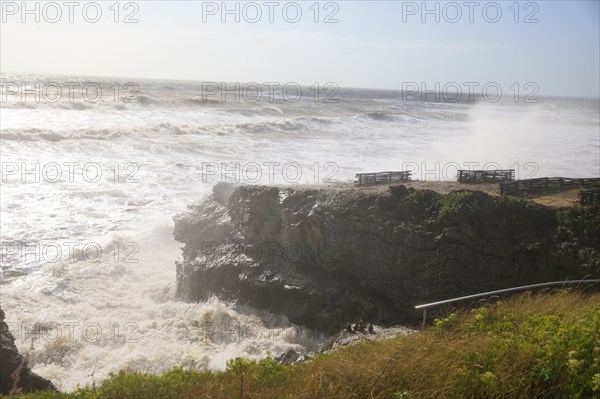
{"points": [[327, 256], [10, 361]]}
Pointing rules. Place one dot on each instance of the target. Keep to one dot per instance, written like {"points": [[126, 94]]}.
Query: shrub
{"points": [[428, 200], [516, 211], [458, 205], [584, 221], [399, 191]]}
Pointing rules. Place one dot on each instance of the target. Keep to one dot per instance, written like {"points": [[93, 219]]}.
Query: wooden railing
{"points": [[544, 184], [382, 177], [589, 197], [483, 176]]}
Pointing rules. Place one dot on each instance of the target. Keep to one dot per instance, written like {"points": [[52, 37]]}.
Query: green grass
{"points": [[543, 345]]}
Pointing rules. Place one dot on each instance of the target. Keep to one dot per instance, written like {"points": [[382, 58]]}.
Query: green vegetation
{"points": [[459, 205], [517, 211], [544, 345], [428, 199], [474, 206], [463, 205], [583, 220]]}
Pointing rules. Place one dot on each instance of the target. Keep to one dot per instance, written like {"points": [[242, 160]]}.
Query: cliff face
{"points": [[11, 360], [330, 256]]}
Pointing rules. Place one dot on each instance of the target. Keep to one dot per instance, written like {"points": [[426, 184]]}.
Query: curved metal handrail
{"points": [[484, 294]]}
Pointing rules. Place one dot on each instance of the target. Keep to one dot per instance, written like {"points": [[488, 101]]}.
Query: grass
{"points": [[542, 345]]}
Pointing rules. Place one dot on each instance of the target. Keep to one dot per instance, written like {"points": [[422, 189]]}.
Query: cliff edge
{"points": [[11, 360], [327, 256]]}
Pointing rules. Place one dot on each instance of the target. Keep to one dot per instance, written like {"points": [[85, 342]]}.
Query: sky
{"points": [[553, 46]]}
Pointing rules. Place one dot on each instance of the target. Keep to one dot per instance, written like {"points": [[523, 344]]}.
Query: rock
{"points": [[291, 357], [11, 360], [322, 257], [344, 338]]}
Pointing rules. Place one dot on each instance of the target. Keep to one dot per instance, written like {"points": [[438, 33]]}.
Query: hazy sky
{"points": [[379, 44]]}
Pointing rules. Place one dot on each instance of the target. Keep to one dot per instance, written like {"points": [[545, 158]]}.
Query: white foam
{"points": [[171, 138]]}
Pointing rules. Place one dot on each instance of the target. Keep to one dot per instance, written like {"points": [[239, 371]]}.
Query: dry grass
{"points": [[543, 345], [561, 199]]}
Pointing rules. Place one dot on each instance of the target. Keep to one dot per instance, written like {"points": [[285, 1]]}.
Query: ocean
{"points": [[94, 169]]}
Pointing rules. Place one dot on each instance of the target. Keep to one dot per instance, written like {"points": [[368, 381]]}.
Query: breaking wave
{"points": [[170, 133]]}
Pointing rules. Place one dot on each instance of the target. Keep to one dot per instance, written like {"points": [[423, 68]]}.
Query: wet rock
{"points": [[325, 256], [11, 361]]}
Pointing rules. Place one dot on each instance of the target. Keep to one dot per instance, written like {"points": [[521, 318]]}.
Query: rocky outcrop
{"points": [[346, 338], [11, 361], [342, 339], [323, 257], [291, 357]]}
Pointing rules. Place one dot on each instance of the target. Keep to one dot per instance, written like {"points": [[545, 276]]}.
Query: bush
{"points": [[398, 192], [517, 211], [459, 205], [584, 221], [428, 200]]}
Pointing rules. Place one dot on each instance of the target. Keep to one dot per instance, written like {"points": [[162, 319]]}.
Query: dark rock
{"points": [[11, 360], [323, 257]]}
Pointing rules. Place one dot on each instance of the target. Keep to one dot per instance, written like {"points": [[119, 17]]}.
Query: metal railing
{"points": [[484, 294]]}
